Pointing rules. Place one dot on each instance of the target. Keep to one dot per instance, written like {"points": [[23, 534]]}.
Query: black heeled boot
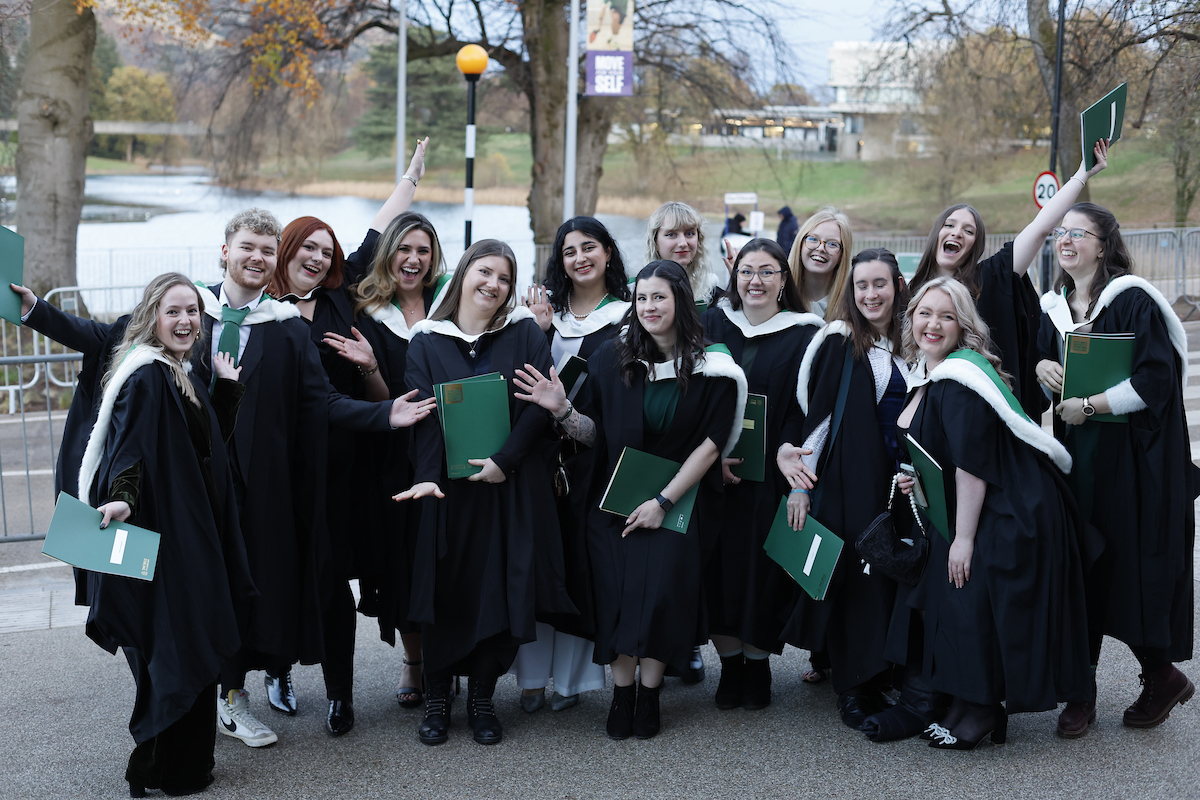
{"points": [[620, 716], [729, 687], [918, 706], [646, 717], [481, 714], [756, 687], [436, 724]]}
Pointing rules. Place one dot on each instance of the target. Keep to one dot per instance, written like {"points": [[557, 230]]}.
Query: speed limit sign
{"points": [[1045, 187]]}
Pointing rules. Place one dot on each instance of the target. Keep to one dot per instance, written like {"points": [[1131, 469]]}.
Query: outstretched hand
{"points": [[537, 300], [406, 413], [729, 256], [419, 490], [549, 393], [223, 367], [1100, 151], [357, 351], [798, 475], [416, 167]]}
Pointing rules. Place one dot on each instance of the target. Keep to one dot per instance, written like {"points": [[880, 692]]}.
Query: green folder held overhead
{"points": [[752, 444], [933, 481], [475, 423], [572, 371], [809, 555], [12, 270], [640, 477], [76, 538], [1101, 120], [1093, 363]]}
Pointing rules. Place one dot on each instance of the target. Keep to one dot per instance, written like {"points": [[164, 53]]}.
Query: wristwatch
{"points": [[664, 502], [1088, 408]]}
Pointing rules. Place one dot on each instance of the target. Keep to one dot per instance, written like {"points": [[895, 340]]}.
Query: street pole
{"points": [[569, 167], [1047, 249], [401, 90], [472, 61]]}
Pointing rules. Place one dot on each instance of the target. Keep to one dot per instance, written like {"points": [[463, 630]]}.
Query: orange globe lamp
{"points": [[471, 60]]}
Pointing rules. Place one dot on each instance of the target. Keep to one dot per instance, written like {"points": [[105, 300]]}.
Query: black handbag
{"points": [[902, 560]]}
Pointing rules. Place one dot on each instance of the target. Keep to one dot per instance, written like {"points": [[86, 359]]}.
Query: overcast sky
{"points": [[812, 29]]}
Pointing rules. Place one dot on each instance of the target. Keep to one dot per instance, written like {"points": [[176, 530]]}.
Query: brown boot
{"points": [[1075, 718], [1163, 689]]}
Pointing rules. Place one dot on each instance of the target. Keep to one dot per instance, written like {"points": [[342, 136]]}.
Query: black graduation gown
{"points": [[1017, 631], [1140, 590], [1009, 305], [647, 586], [278, 456], [488, 558], [854, 475], [749, 595], [181, 625]]}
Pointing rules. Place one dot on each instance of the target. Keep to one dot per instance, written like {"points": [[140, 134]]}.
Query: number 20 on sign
{"points": [[1045, 187]]}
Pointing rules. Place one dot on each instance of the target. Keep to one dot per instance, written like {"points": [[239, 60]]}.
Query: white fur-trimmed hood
{"points": [[268, 310], [713, 365], [1054, 304], [447, 328], [393, 319], [972, 377], [837, 327], [610, 313], [780, 322]]}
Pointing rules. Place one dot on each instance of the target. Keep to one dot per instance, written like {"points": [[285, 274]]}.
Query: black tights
{"points": [[483, 666], [1150, 658]]}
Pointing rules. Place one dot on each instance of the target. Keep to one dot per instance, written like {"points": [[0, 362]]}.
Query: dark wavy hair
{"points": [[1115, 259], [790, 300], [557, 280], [290, 241], [965, 273], [637, 344], [861, 332], [481, 249]]}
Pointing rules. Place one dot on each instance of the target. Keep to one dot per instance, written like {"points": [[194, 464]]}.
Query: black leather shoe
{"points": [[646, 716], [280, 694], [481, 716], [620, 715], [856, 706], [434, 728], [340, 719], [695, 671], [729, 687], [756, 690]]}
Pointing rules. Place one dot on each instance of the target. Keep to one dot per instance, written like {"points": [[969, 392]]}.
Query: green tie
{"points": [[231, 332]]}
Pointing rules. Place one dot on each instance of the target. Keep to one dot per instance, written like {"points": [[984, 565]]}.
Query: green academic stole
{"points": [[968, 355]]}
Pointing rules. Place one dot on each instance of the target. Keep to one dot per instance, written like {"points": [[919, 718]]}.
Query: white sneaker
{"points": [[234, 719]]}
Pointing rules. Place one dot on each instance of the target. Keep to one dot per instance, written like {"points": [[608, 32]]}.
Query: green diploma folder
{"points": [[809, 555], [933, 481], [12, 270], [1101, 120], [752, 444], [76, 538], [640, 477], [1093, 363], [475, 423]]}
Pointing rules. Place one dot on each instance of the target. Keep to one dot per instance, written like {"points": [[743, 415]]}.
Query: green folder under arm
{"points": [[752, 444], [933, 481], [640, 477], [1093, 363], [76, 538], [809, 555], [475, 422], [12, 270], [1101, 120]]}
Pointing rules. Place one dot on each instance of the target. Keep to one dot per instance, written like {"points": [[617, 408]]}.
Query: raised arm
{"points": [[406, 188]]}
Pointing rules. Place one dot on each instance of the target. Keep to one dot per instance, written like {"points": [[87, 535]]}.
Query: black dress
{"points": [[749, 596], [488, 558], [647, 586], [854, 475], [1016, 632], [1136, 482]]}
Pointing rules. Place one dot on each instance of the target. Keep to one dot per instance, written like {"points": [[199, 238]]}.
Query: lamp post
{"points": [[472, 60], [401, 88]]}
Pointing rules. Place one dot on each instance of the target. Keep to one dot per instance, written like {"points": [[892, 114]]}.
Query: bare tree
{"points": [[1176, 117]]}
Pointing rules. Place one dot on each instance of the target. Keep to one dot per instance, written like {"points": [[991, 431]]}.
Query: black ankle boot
{"points": [[729, 688], [918, 706], [620, 716], [481, 714], [646, 717], [436, 724], [756, 689]]}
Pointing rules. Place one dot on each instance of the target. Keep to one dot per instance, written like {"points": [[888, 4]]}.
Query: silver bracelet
{"points": [[563, 418], [409, 178]]}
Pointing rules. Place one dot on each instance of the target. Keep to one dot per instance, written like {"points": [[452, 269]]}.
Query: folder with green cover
{"points": [[1093, 363], [475, 422], [752, 444], [76, 538], [809, 555], [933, 481], [12, 270], [1101, 120], [640, 477]]}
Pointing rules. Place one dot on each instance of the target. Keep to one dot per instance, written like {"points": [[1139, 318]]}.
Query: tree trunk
{"points": [[55, 130], [595, 121]]}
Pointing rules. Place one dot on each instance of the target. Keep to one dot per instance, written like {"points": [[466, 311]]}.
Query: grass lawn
{"points": [[113, 166]]}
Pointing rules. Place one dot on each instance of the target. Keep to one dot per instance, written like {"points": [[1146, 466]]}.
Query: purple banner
{"points": [[609, 73]]}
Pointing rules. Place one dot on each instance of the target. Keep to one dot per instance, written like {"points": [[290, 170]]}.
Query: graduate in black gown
{"points": [[1134, 480], [488, 560], [854, 466], [580, 307], [1004, 615], [675, 232], [1000, 283], [156, 457], [654, 388], [750, 597]]}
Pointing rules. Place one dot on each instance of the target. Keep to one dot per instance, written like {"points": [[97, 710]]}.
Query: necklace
{"points": [[584, 316], [474, 343]]}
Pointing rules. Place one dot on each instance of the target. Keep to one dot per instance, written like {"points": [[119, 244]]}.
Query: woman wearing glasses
{"points": [[1134, 479], [999, 283], [820, 259], [749, 596]]}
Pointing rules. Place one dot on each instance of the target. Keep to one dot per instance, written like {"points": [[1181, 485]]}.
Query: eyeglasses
{"points": [[1076, 233], [831, 246], [763, 274]]}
